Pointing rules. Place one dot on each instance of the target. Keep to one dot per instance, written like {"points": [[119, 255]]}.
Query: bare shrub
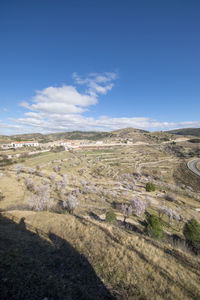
{"points": [[19, 168], [149, 201], [70, 203], [138, 206], [56, 168], [58, 185], [170, 213], [52, 177], [32, 170], [65, 180], [18, 177], [126, 211], [29, 184], [170, 197], [41, 200]]}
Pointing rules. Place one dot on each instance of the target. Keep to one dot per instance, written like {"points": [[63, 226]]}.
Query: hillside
{"points": [[44, 138], [186, 131]]}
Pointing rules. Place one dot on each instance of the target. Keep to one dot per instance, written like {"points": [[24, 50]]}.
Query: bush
{"points": [[170, 197], [58, 149], [126, 211], [70, 203], [191, 232], [41, 200], [6, 162], [111, 217], [154, 226], [138, 205], [150, 187]]}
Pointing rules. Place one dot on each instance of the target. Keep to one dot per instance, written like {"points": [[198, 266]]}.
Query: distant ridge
{"points": [[186, 131], [124, 133]]}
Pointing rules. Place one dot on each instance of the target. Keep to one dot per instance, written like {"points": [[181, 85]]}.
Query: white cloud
{"points": [[65, 99], [61, 109]]}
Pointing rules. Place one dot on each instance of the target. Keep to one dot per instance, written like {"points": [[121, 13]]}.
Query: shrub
{"points": [[19, 168], [149, 201], [150, 187], [29, 184], [56, 168], [18, 177], [32, 170], [111, 217], [138, 205], [6, 162], [58, 149], [126, 211], [170, 213], [154, 226], [41, 200], [70, 203], [191, 232], [170, 197], [65, 180]]}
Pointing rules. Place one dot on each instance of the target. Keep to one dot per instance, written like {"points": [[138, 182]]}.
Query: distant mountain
{"points": [[126, 134], [45, 138], [186, 131], [78, 135]]}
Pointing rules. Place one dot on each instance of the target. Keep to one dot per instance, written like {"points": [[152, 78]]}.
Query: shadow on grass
{"points": [[33, 267], [94, 216], [129, 226], [122, 224]]}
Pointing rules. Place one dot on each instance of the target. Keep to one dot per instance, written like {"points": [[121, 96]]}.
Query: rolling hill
{"points": [[186, 131]]}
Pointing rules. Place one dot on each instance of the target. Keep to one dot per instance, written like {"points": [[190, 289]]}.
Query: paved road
{"points": [[192, 165]]}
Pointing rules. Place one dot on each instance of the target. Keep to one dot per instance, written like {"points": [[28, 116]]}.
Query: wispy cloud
{"points": [[97, 83]]}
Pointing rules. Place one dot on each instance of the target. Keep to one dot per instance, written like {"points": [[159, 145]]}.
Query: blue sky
{"points": [[99, 65]]}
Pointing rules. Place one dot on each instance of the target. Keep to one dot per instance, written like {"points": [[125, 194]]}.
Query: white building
{"points": [[66, 144], [20, 144], [99, 142]]}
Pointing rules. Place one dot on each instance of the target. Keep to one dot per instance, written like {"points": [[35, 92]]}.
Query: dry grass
{"points": [[134, 266]]}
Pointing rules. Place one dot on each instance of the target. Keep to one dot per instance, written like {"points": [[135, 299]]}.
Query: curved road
{"points": [[192, 165]]}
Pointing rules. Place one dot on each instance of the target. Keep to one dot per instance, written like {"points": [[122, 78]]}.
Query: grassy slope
{"points": [[35, 266], [133, 266], [183, 175]]}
